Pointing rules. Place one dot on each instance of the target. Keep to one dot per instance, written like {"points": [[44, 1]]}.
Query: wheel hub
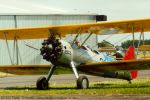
{"points": [[84, 83]]}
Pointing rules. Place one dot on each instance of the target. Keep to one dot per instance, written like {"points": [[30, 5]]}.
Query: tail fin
{"points": [[130, 54]]}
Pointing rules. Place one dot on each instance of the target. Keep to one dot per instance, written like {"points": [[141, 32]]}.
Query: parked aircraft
{"points": [[78, 56]]}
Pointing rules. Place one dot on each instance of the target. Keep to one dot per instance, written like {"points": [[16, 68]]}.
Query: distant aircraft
{"points": [[78, 56]]}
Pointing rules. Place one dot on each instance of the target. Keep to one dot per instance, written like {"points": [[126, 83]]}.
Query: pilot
{"points": [[118, 54], [78, 43]]}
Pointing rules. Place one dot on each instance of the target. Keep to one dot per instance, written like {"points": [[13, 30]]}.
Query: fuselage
{"points": [[82, 54]]}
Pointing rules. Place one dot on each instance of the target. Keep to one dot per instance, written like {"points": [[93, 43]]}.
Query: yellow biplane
{"points": [[78, 56]]}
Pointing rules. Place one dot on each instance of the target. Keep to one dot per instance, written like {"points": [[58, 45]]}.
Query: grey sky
{"points": [[114, 9]]}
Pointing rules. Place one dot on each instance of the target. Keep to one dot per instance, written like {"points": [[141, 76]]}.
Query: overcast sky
{"points": [[114, 9]]}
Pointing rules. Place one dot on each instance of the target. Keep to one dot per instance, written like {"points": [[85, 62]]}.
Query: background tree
{"points": [[127, 43]]}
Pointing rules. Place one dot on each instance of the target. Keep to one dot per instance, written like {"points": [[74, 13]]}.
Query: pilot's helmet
{"points": [[77, 43]]}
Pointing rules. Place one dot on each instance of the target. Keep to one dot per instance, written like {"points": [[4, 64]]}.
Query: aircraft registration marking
{"points": [[67, 52]]}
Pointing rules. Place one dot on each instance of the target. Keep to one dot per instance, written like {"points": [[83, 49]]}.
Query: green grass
{"points": [[62, 70], [138, 86]]}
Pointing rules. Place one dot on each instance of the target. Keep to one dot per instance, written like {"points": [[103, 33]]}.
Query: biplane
{"points": [[78, 56]]}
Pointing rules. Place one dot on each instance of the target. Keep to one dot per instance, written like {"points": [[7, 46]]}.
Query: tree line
{"points": [[127, 43]]}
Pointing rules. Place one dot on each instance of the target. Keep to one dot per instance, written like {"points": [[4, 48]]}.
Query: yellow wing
{"points": [[144, 47], [125, 26], [24, 69], [141, 64]]}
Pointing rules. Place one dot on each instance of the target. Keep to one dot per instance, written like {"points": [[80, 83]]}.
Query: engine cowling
{"points": [[55, 50], [67, 53]]}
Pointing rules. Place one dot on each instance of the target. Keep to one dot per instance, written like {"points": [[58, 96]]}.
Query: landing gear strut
{"points": [[82, 81], [42, 82]]}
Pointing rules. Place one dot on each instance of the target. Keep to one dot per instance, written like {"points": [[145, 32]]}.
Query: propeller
{"points": [[51, 49]]}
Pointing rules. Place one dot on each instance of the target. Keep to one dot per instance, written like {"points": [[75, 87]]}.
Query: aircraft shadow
{"points": [[111, 86], [95, 86], [33, 88]]}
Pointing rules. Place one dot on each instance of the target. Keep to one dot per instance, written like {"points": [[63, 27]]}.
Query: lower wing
{"points": [[141, 64], [24, 69]]}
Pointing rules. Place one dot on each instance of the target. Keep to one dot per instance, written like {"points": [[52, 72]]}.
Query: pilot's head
{"points": [[77, 43]]}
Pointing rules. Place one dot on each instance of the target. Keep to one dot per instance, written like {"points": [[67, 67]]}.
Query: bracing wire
{"points": [[30, 46], [122, 39], [109, 36]]}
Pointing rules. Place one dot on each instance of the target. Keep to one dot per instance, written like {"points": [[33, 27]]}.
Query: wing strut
{"points": [[143, 37], [133, 36], [16, 47], [76, 36], [5, 34], [86, 39], [16, 50], [142, 32]]}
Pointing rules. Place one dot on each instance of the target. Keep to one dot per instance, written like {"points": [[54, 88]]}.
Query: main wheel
{"points": [[42, 83], [82, 82]]}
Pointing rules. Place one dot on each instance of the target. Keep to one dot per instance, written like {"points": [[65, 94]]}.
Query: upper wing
{"points": [[144, 47], [125, 26], [117, 65]]}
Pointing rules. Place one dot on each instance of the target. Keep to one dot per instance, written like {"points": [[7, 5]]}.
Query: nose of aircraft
{"points": [[51, 49]]}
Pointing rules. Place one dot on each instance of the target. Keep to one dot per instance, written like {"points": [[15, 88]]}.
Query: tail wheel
{"points": [[82, 82], [42, 83]]}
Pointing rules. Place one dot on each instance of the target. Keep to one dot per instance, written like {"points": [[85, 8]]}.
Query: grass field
{"points": [[138, 86]]}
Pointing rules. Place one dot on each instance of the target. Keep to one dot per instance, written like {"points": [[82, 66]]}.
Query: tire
{"points": [[42, 83], [82, 82]]}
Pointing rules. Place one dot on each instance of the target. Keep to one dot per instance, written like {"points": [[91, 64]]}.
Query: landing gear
{"points": [[42, 83], [130, 82], [51, 50], [82, 82]]}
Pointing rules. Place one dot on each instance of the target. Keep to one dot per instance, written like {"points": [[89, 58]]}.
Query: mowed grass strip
{"points": [[138, 86]]}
